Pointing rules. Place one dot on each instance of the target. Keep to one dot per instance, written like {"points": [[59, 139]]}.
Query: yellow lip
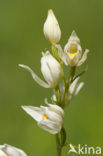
{"points": [[73, 48], [71, 54], [45, 116]]}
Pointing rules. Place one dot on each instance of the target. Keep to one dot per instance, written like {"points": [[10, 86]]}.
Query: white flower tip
{"points": [[73, 85], [25, 67], [50, 11], [42, 53], [25, 108], [46, 101], [51, 28], [74, 33], [74, 37], [77, 79], [80, 86], [87, 50], [21, 65], [46, 53]]}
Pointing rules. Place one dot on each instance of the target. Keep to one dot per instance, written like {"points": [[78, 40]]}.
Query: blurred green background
{"points": [[22, 41]]}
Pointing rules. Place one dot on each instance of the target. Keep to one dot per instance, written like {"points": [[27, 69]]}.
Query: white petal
{"points": [[15, 151], [2, 146], [73, 85], [84, 57], [53, 114], [69, 98], [11, 151], [2, 153], [63, 56], [74, 37], [62, 90], [79, 87], [57, 108], [35, 77], [73, 60], [50, 126], [35, 112], [54, 97], [46, 101]]}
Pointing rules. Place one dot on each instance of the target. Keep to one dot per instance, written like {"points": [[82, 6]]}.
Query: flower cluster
{"points": [[51, 117]]}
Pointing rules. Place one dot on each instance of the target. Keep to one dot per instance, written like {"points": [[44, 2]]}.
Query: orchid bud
{"points": [[50, 69], [51, 28]]}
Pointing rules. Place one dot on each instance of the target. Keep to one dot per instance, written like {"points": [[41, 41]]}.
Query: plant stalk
{"points": [[58, 146], [72, 73], [60, 141]]}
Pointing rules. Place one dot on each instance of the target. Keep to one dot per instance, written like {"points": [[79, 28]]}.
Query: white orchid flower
{"points": [[72, 54], [51, 28], [74, 88], [8, 150], [50, 69], [48, 118]]}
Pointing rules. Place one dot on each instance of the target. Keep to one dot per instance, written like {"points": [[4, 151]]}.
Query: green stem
{"points": [[57, 93], [60, 141], [58, 146], [70, 78], [55, 54], [63, 78], [71, 75], [63, 136]]}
